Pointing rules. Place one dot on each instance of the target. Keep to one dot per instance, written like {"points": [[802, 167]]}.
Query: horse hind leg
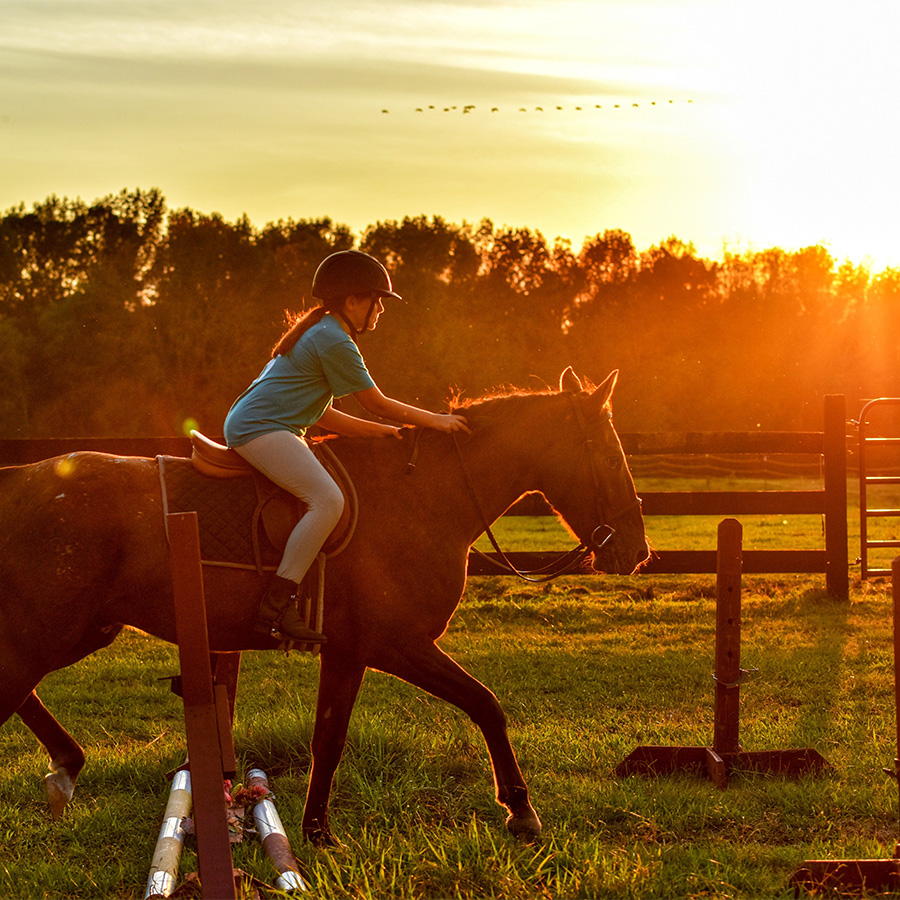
{"points": [[428, 667], [66, 754], [18, 681]]}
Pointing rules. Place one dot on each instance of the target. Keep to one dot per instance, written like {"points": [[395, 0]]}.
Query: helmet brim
{"points": [[349, 272]]}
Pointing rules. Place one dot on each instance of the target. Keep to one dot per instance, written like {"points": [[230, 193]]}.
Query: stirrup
{"points": [[310, 636], [272, 628], [313, 638]]}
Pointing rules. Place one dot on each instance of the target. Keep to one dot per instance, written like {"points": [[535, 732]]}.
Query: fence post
{"points": [[837, 562], [726, 753], [728, 638]]}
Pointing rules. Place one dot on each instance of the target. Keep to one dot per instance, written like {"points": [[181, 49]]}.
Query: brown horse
{"points": [[83, 552]]}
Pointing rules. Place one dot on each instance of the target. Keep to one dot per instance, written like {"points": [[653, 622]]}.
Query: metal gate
{"points": [[866, 481]]}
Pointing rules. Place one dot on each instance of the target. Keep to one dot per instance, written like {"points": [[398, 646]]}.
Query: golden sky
{"points": [[725, 123]]}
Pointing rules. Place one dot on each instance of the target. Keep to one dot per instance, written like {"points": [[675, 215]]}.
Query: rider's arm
{"points": [[352, 426], [373, 401]]}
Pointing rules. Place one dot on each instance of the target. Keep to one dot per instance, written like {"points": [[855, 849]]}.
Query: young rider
{"points": [[313, 362]]}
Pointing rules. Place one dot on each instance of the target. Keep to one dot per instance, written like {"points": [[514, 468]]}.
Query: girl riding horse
{"points": [[313, 362]]}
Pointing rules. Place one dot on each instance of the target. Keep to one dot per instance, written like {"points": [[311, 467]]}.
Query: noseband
{"points": [[569, 560]]}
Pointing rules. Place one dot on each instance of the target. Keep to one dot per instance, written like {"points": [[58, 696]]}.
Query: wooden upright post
{"points": [[206, 720], [725, 754], [837, 561], [728, 637]]}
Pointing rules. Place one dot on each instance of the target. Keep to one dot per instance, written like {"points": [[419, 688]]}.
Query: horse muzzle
{"points": [[600, 537], [614, 560], [603, 557]]}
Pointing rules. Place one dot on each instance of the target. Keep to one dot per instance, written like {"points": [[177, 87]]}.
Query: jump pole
{"points": [[170, 843], [206, 713], [725, 754], [274, 839], [858, 875]]}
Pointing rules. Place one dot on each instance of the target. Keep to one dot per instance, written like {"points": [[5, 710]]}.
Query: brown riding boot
{"points": [[279, 617]]}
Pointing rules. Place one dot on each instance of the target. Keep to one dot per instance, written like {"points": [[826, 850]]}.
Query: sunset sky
{"points": [[723, 122]]}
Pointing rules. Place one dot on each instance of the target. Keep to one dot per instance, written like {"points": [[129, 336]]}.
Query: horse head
{"points": [[594, 491]]}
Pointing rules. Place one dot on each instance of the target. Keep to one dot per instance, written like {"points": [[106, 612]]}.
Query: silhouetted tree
{"points": [[73, 277], [118, 318]]}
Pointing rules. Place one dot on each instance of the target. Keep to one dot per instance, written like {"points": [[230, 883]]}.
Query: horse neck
{"points": [[502, 461]]}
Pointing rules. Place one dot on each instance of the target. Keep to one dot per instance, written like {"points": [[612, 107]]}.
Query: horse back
{"points": [[79, 519]]}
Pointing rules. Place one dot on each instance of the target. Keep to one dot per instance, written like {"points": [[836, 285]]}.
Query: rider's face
{"points": [[357, 307]]}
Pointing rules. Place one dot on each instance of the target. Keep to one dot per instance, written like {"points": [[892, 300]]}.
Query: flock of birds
{"points": [[470, 107]]}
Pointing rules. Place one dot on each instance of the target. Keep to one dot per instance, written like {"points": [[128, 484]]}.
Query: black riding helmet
{"points": [[351, 272]]}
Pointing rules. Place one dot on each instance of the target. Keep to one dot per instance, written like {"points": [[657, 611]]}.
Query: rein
{"points": [[568, 560]]}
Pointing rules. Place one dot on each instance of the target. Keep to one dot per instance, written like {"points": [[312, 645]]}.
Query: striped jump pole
{"points": [[167, 855], [274, 839]]}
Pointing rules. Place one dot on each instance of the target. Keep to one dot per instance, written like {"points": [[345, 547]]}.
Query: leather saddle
{"points": [[279, 511]]}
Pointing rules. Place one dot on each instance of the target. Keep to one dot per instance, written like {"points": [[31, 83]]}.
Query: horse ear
{"points": [[603, 394], [569, 381]]}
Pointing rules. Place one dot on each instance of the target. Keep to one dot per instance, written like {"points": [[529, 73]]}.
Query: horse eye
{"points": [[614, 461]]}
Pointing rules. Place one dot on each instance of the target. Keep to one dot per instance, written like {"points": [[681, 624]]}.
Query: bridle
{"points": [[568, 560]]}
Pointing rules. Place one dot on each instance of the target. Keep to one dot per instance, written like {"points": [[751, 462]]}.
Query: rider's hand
{"points": [[449, 422]]}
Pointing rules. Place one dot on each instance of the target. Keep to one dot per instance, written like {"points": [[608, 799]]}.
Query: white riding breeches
{"points": [[286, 459]]}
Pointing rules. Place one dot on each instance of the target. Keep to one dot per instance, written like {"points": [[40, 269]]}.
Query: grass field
{"points": [[587, 669]]}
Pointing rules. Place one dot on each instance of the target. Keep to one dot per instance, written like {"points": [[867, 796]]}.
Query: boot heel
{"points": [[264, 627]]}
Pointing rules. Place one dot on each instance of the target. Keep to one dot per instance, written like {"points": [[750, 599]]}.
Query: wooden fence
{"points": [[830, 501]]}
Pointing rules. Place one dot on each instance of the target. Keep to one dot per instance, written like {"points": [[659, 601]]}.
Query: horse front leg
{"points": [[66, 754], [339, 683], [425, 665]]}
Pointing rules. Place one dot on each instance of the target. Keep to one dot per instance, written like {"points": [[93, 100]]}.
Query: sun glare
{"points": [[763, 124], [809, 99], [766, 124]]}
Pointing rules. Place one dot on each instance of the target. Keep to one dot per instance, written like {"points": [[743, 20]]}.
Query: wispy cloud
{"points": [[587, 40], [274, 106]]}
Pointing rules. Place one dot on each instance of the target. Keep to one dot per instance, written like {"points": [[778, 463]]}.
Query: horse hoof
{"points": [[525, 829], [60, 788], [322, 839]]}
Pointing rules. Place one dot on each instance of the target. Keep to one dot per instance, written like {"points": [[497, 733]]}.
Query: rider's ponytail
{"points": [[298, 324]]}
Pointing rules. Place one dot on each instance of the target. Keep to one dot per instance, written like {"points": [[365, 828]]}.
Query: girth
{"points": [[245, 519]]}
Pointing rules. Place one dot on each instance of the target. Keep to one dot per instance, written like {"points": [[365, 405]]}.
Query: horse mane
{"points": [[497, 404], [502, 401], [458, 404]]}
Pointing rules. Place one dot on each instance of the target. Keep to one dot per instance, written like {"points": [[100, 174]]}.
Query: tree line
{"points": [[122, 318]]}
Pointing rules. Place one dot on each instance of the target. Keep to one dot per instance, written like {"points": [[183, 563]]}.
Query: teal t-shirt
{"points": [[293, 391]]}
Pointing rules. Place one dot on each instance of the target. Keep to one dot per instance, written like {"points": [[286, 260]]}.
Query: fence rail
{"points": [[830, 501]]}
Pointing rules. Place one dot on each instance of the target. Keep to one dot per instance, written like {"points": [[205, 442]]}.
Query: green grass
{"points": [[586, 669]]}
